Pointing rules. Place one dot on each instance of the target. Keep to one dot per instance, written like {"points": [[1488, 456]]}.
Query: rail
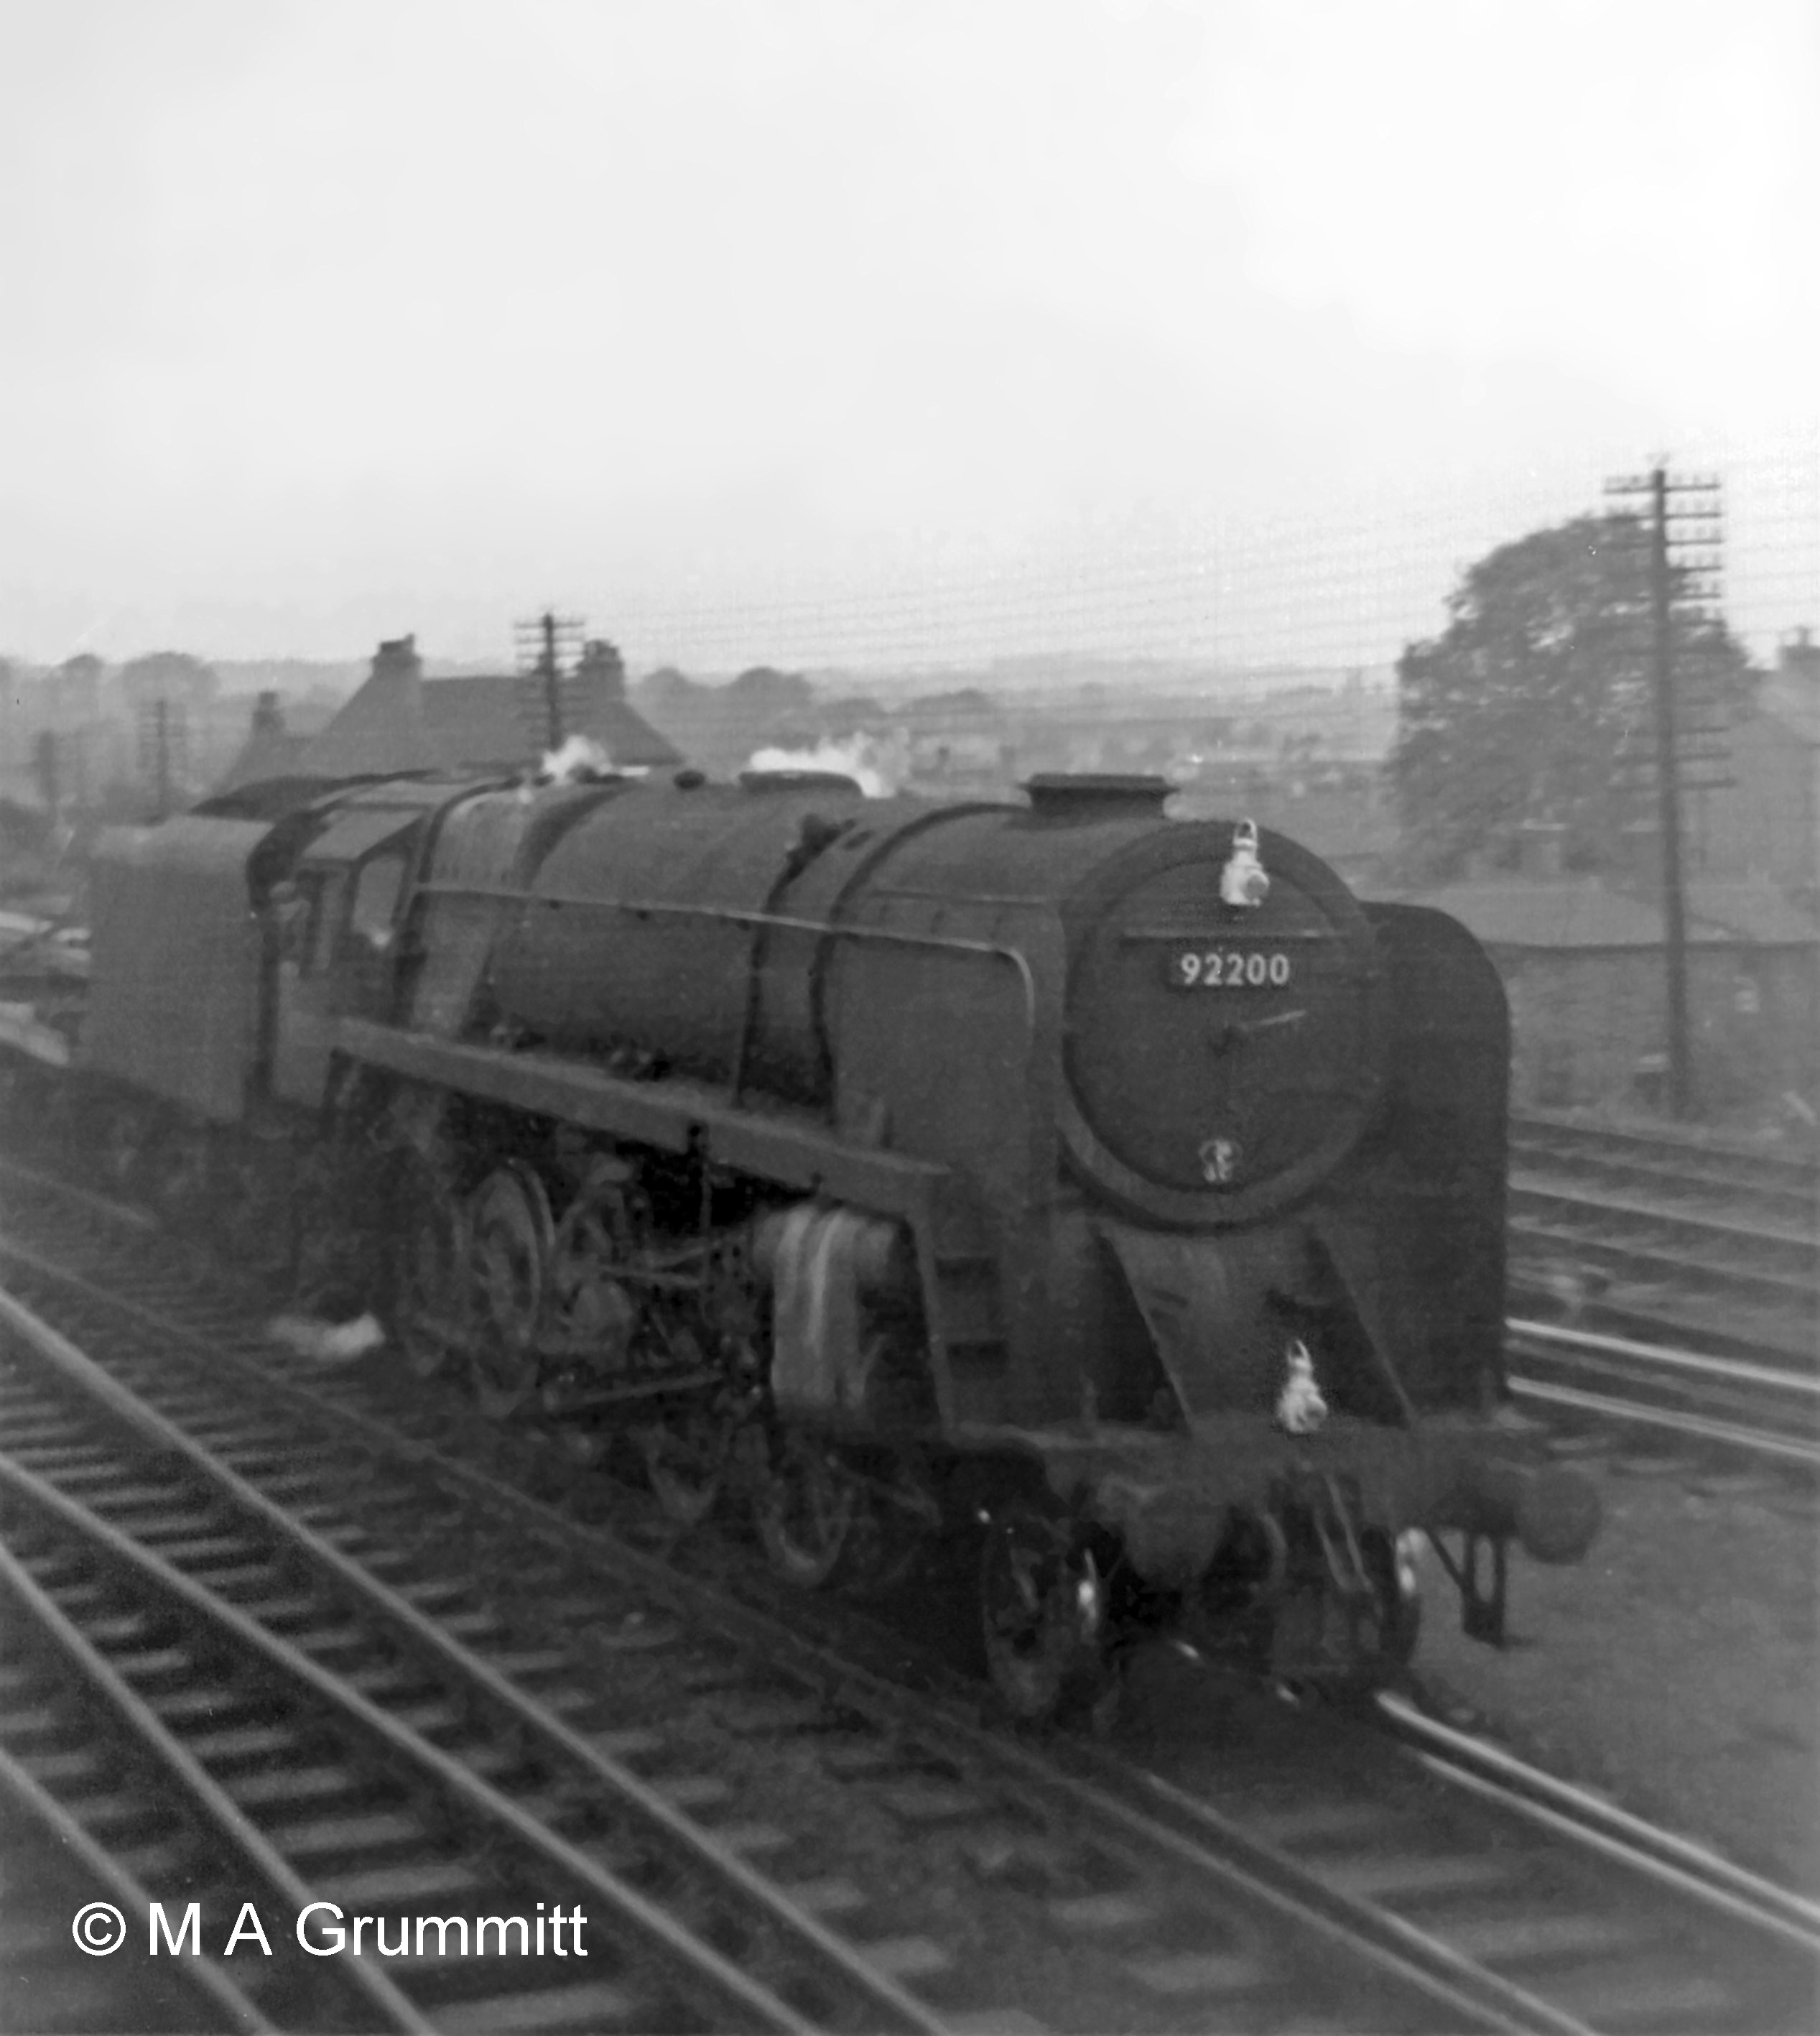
{"points": [[714, 1977], [1498, 1935], [1774, 1403], [1665, 1856]]}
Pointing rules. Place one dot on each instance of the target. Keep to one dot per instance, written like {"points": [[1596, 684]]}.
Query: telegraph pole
{"points": [[541, 644], [164, 748], [1659, 488], [1669, 791], [550, 673]]}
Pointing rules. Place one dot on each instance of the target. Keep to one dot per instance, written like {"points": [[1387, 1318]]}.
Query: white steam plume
{"points": [[579, 758], [858, 758]]}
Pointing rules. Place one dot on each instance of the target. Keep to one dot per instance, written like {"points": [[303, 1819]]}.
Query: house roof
{"points": [[267, 752], [378, 730], [485, 722], [1792, 698], [1581, 912], [1751, 909], [1545, 912], [399, 721]]}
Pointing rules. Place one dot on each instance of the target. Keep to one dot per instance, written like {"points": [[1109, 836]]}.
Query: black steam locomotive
{"points": [[1121, 1189]]}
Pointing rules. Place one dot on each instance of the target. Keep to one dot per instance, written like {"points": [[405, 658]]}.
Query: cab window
{"points": [[325, 910]]}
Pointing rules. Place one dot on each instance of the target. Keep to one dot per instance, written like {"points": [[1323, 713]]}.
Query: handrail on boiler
{"points": [[884, 936]]}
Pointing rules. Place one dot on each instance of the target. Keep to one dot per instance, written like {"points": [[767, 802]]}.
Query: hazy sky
{"points": [[796, 331]]}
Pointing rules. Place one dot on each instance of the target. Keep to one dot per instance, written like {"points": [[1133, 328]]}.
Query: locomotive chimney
{"points": [[1091, 795]]}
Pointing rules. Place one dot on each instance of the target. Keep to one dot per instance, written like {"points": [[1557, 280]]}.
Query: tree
{"points": [[1535, 704], [74, 690], [764, 693], [170, 675], [664, 690]]}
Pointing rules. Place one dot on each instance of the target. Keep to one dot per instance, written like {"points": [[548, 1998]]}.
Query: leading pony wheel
{"points": [[804, 1509], [1043, 1617], [1388, 1632], [686, 1457]]}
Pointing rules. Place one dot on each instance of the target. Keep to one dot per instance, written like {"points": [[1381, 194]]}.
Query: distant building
{"points": [[1342, 812], [64, 747], [1583, 963], [269, 751], [70, 694], [172, 676], [1766, 823], [721, 726], [400, 721], [958, 744]]}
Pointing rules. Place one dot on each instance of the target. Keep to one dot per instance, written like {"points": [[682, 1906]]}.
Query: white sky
{"points": [[795, 331]]}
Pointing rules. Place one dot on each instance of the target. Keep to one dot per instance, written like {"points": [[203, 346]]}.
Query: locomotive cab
{"points": [[337, 927]]}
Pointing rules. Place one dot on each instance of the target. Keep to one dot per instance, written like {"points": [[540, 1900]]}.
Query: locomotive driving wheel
{"points": [[510, 1236], [590, 1312], [686, 1459], [805, 1508], [1043, 1615], [431, 1303]]}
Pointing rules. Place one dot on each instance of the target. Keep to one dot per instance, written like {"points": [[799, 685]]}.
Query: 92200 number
{"points": [[1228, 968]]}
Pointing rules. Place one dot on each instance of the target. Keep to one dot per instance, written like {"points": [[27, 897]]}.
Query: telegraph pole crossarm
{"points": [[542, 645], [1696, 531]]}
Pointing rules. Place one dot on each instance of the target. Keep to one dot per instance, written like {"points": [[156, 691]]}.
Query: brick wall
{"points": [[1583, 1021]]}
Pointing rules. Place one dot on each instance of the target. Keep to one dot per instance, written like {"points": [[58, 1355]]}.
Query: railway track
{"points": [[1713, 1403], [1469, 1762], [511, 1744], [1667, 1237], [52, 1875], [1306, 1885], [340, 1744]]}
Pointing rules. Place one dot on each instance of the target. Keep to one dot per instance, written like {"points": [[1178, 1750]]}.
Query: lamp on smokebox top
{"points": [[1244, 880]]}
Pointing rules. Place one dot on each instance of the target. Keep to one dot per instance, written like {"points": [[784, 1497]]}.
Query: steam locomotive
{"points": [[1120, 1191]]}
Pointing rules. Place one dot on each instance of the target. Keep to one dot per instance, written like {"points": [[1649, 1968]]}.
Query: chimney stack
{"points": [[601, 671], [398, 659], [396, 683]]}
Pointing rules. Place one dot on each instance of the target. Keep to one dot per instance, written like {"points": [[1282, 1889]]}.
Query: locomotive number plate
{"points": [[1228, 968]]}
